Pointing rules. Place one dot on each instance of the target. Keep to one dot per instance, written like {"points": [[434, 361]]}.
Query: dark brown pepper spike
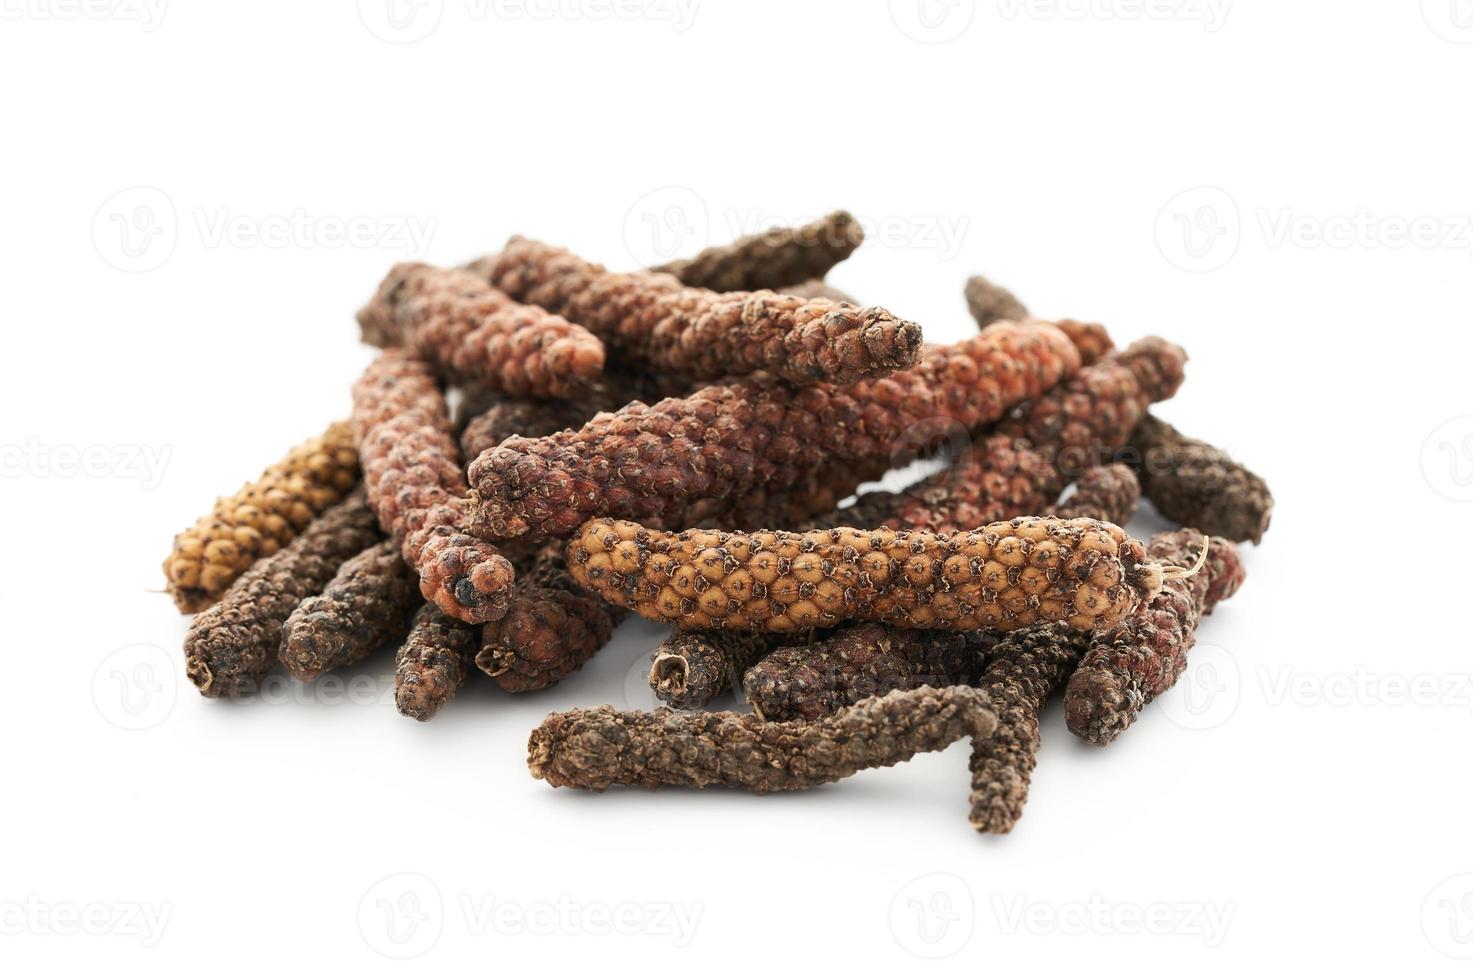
{"points": [[1198, 485], [595, 748], [433, 662], [773, 258], [691, 668]]}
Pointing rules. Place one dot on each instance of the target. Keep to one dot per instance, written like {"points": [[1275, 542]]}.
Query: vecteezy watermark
{"points": [[1199, 230], [1209, 691], [674, 222], [1363, 686], [1447, 917], [1447, 459], [147, 14], [329, 690], [138, 229], [933, 916], [1211, 14], [34, 916], [44, 461], [401, 916], [408, 21], [136, 687], [1451, 20], [933, 21], [1097, 916], [1365, 229], [404, 915]]}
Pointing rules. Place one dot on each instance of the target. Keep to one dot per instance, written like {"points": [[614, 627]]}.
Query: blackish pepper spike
{"points": [[367, 604], [433, 662], [233, 644], [1198, 485], [595, 748]]}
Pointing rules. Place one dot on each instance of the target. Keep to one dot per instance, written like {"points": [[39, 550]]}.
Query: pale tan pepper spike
{"points": [[261, 517], [1002, 576]]}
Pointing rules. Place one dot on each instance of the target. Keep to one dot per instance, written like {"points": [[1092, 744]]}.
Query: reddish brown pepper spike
{"points": [[680, 332], [414, 483], [465, 328], [433, 662], [233, 644], [595, 748], [773, 258], [818, 289], [552, 627], [1104, 493], [650, 462], [1198, 485], [1130, 665]]}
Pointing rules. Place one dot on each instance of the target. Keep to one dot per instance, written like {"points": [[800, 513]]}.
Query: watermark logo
{"points": [[136, 687], [401, 916], [1447, 917], [401, 21], [1451, 20], [147, 14], [42, 461], [1209, 691], [34, 916], [1447, 459], [933, 916], [136, 229], [1211, 14], [1097, 916], [567, 916], [665, 224], [1199, 230], [1365, 688], [933, 21]]}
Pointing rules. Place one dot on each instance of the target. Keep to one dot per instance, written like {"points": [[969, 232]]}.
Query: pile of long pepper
{"points": [[685, 443]]}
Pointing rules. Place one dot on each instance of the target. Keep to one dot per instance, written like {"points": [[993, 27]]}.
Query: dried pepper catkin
{"points": [[1001, 576], [989, 302], [261, 517], [691, 668], [466, 328], [1103, 493], [681, 332], [1024, 669], [1199, 485], [1131, 664], [433, 662], [649, 462], [500, 419], [818, 289], [551, 628], [595, 748], [773, 258], [1092, 339], [414, 482], [233, 644], [859, 662], [367, 604]]}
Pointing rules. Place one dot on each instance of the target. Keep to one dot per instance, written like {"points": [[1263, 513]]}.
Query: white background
{"points": [[1236, 177]]}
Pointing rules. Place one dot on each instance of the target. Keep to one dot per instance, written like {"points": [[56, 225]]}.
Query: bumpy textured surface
{"points": [[1133, 663], [261, 517], [989, 302], [1093, 414], [691, 668], [501, 418], [551, 628], [467, 329], [773, 258], [595, 748], [859, 662], [1103, 493], [650, 318], [1198, 485], [1025, 668], [650, 462], [367, 604], [233, 644], [818, 289], [1001, 576], [433, 662], [414, 483], [1092, 339], [998, 478]]}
